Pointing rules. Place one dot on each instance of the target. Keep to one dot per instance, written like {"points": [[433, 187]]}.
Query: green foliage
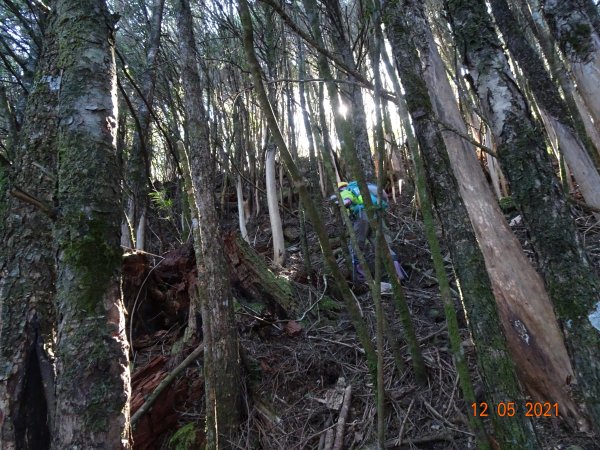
{"points": [[160, 200], [507, 204], [329, 304], [184, 438]]}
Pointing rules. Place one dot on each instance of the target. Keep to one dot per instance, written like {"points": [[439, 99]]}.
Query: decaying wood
{"points": [[252, 276], [166, 382]]}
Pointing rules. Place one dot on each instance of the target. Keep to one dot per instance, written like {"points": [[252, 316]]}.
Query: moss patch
{"points": [[94, 259], [184, 438]]}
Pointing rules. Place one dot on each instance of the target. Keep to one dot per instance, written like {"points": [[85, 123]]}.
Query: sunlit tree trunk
{"points": [[300, 185], [342, 126], [531, 21], [239, 150], [27, 266], [554, 111], [313, 174], [279, 252], [221, 346], [92, 364], [572, 285], [532, 333], [356, 109], [494, 361], [580, 43]]}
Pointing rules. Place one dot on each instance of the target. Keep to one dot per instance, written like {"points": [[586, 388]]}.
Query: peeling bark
{"points": [[494, 361], [580, 43], [555, 113], [92, 361], [523, 304], [572, 285]]}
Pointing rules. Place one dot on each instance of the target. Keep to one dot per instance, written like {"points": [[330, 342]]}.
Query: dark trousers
{"points": [[362, 230]]}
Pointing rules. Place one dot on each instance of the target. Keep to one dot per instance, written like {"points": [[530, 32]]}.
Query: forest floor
{"points": [[298, 368]]}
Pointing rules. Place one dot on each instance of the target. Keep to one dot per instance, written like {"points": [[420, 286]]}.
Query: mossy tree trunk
{"points": [[554, 110], [521, 299], [27, 266], [574, 33], [494, 361], [92, 364], [342, 126], [221, 344], [571, 282], [356, 115], [301, 185]]}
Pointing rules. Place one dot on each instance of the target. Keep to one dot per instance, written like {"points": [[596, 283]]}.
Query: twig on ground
{"points": [[339, 433]]}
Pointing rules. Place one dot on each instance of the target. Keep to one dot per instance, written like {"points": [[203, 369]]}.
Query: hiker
{"points": [[353, 201]]}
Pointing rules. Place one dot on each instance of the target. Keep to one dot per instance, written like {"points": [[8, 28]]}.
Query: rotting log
{"points": [[252, 276]]}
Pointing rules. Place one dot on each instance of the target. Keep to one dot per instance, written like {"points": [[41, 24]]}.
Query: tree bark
{"points": [[342, 126], [27, 266], [356, 110], [141, 155], [221, 345], [92, 363], [572, 285], [300, 185], [554, 111], [574, 33], [532, 333], [494, 361]]}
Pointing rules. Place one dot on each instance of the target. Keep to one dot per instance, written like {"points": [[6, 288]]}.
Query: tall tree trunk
{"points": [[313, 173], [342, 126], [357, 109], [141, 155], [27, 267], [532, 333], [538, 33], [92, 364], [221, 345], [574, 33], [300, 185], [554, 111], [493, 359], [572, 285], [279, 253]]}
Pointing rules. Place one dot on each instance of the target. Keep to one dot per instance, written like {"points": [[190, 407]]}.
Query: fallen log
{"points": [[251, 275]]}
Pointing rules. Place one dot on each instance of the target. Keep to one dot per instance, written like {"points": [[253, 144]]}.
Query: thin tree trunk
{"points": [[342, 126], [92, 364], [141, 155], [492, 356], [313, 173], [279, 254], [580, 43], [239, 149], [357, 109], [300, 184], [221, 345]]}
